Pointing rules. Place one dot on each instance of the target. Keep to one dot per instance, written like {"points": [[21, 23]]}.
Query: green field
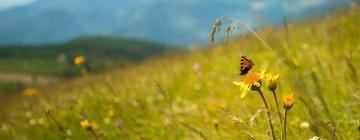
{"points": [[192, 96], [55, 62]]}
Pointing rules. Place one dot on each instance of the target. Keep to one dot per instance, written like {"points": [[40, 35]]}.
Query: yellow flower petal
{"points": [[238, 83], [243, 93], [257, 84]]}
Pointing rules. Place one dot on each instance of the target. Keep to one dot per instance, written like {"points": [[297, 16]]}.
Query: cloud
{"points": [[185, 22], [260, 5], [6, 4]]}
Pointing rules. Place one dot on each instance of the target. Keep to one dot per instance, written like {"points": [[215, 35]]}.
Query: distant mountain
{"points": [[168, 21]]}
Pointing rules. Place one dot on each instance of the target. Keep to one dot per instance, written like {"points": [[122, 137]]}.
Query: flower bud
{"points": [[288, 102]]}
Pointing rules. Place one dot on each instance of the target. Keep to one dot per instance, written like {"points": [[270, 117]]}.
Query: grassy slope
{"points": [[166, 99], [45, 60], [54, 62]]}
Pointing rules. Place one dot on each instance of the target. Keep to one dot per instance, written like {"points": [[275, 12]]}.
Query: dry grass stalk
{"points": [[216, 28]]}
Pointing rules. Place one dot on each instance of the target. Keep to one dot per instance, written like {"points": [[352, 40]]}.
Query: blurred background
{"points": [[39, 39]]}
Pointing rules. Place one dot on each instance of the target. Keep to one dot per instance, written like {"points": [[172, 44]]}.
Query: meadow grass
{"points": [[191, 96]]}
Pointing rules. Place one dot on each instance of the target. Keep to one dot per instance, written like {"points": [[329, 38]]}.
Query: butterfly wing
{"points": [[245, 65]]}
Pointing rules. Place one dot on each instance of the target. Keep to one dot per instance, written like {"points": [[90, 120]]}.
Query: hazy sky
{"points": [[5, 4]]}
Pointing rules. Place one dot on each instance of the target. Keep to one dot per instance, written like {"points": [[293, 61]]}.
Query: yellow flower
{"points": [[251, 81], [30, 91], [78, 60], [271, 81], [94, 125], [288, 101], [85, 124], [296, 62], [110, 113]]}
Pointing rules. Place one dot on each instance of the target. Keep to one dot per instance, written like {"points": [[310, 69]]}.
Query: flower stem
{"points": [[268, 114], [92, 131], [284, 128], [278, 110]]}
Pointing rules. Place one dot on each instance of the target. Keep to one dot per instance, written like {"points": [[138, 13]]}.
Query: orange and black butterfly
{"points": [[245, 65]]}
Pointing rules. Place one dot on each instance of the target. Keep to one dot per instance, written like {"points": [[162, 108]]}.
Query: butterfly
{"points": [[245, 65]]}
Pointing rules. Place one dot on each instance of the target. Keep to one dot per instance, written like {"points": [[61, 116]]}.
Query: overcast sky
{"points": [[5, 4]]}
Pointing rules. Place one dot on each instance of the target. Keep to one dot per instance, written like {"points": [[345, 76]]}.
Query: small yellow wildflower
{"points": [[78, 60], [41, 121], [288, 101], [296, 62], [68, 132], [32, 121], [110, 113], [4, 127], [85, 124], [271, 81], [30, 91], [94, 125], [251, 81], [107, 120]]}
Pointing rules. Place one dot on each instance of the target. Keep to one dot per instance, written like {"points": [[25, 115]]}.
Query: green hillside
{"points": [[52, 59], [56, 61], [192, 96]]}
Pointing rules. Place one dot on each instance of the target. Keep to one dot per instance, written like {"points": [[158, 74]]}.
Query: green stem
{"points": [[284, 128], [268, 114], [94, 133], [278, 110]]}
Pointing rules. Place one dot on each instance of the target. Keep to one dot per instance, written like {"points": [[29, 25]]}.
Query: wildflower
{"points": [[251, 81], [78, 60], [196, 67], [288, 102], [4, 127], [304, 125], [107, 120], [90, 127], [110, 113], [85, 124], [295, 62], [28, 114], [271, 81], [32, 122], [94, 125], [68, 132], [30, 91], [84, 114], [119, 122], [41, 121]]}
